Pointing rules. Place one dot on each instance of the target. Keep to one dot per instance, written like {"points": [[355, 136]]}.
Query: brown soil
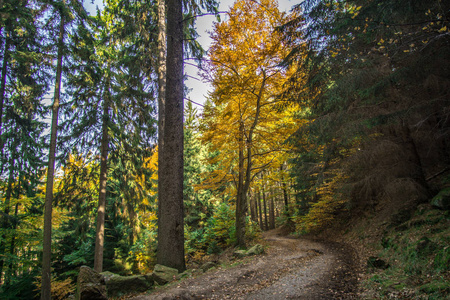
{"points": [[290, 269]]}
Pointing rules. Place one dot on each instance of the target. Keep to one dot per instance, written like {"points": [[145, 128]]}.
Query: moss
{"points": [[436, 287], [419, 258]]}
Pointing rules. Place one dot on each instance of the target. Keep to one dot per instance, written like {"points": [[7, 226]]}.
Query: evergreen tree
{"points": [[24, 84], [369, 63], [46, 256]]}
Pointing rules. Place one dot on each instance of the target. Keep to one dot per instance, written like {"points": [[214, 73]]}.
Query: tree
{"points": [[47, 243], [247, 78], [23, 86], [368, 64], [112, 95], [170, 177]]}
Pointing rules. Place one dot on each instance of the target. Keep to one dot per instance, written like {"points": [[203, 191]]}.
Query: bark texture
{"points": [[170, 193]]}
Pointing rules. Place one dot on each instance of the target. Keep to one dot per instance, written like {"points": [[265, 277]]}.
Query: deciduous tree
{"points": [[246, 76]]}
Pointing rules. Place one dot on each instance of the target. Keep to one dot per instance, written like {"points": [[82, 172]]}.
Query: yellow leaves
{"points": [[323, 212], [443, 29]]}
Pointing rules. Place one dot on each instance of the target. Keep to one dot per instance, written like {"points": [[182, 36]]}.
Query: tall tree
{"points": [[170, 178], [104, 148], [47, 243], [161, 71], [24, 83], [247, 78]]}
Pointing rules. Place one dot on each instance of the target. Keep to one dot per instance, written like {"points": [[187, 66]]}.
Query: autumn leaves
{"points": [[241, 121]]}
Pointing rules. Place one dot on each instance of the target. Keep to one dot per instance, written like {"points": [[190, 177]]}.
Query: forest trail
{"points": [[290, 269]]}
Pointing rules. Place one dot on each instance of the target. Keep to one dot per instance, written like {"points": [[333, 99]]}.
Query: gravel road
{"points": [[290, 269]]}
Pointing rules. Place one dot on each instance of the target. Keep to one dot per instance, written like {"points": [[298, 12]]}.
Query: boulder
{"points": [[240, 253], [163, 274], [442, 200], [255, 250], [119, 286], [90, 285], [107, 275]]}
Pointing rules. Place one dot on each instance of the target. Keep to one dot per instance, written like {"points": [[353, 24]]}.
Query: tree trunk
{"points": [[6, 54], [3, 79], [285, 193], [5, 223], [240, 197], [272, 210], [266, 223], [260, 210], [47, 243], [244, 182], [100, 232], [253, 208], [161, 74], [12, 246], [170, 194]]}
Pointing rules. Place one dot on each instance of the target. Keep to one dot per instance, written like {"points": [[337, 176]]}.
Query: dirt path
{"points": [[291, 269]]}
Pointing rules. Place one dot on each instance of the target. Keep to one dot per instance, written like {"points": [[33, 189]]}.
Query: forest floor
{"points": [[290, 269]]}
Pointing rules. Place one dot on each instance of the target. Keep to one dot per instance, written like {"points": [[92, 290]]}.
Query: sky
{"points": [[204, 24]]}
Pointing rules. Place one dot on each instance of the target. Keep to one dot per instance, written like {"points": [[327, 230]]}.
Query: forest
{"points": [[318, 119]]}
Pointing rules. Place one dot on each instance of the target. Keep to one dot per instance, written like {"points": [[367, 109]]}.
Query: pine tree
{"points": [[368, 63], [170, 177], [47, 249], [23, 86]]}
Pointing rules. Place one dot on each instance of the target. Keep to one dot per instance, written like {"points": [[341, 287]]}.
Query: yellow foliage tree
{"points": [[240, 121]]}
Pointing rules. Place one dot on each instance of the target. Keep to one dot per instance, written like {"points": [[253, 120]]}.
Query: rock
{"points": [[240, 253], [208, 265], [90, 285], [163, 274], [442, 200], [107, 275], [185, 274], [119, 286], [375, 262], [255, 250]]}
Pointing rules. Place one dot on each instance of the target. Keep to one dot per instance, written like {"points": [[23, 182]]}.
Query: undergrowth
{"points": [[417, 259]]}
